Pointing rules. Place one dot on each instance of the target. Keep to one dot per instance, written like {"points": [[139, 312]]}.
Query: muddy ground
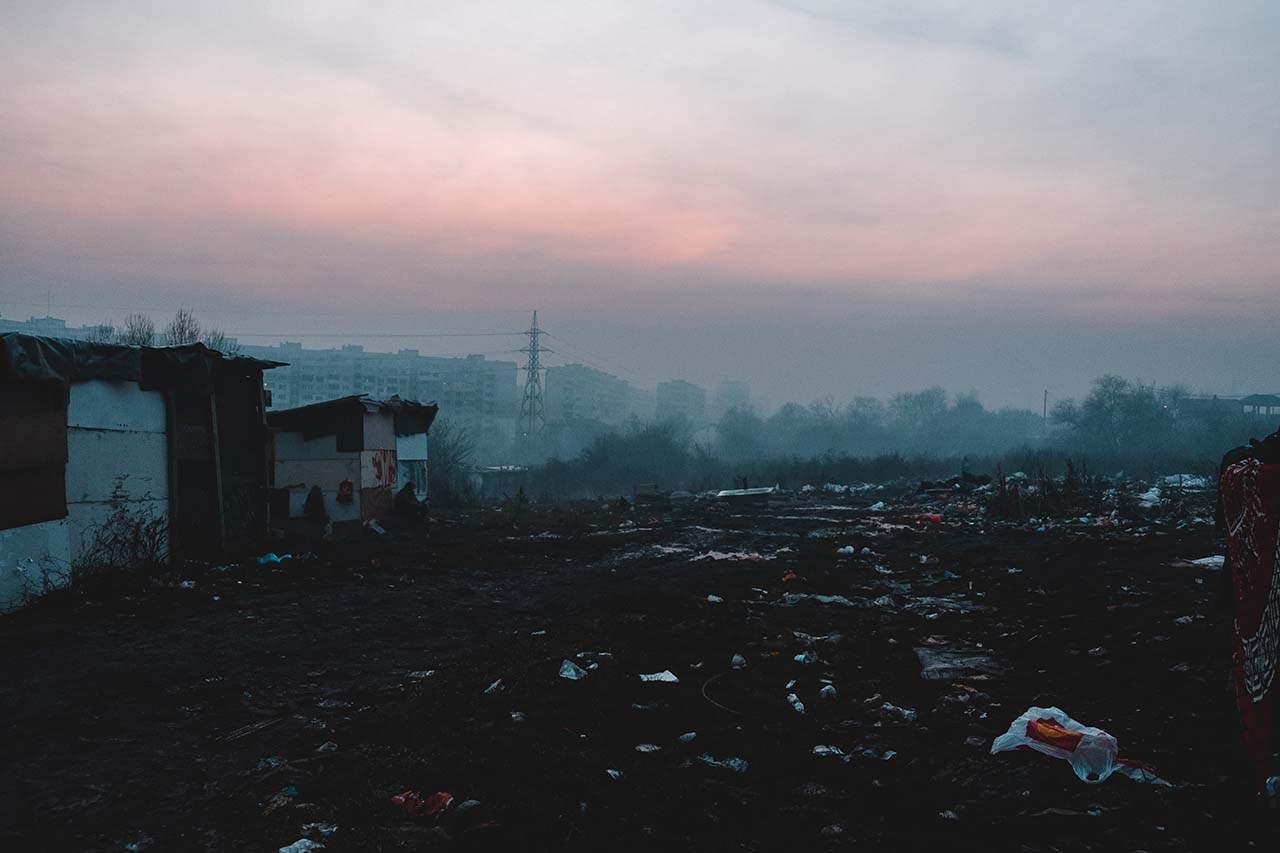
{"points": [[265, 705]]}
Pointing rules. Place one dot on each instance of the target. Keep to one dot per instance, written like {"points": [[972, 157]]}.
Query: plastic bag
{"points": [[1092, 753]]}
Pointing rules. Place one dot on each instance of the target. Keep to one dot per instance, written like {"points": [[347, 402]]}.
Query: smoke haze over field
{"points": [[823, 198]]}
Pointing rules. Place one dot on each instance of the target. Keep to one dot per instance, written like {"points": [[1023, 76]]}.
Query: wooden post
{"points": [[217, 464]]}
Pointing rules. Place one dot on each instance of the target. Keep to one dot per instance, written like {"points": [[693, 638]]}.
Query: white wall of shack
{"points": [[411, 449], [413, 446], [117, 461]]}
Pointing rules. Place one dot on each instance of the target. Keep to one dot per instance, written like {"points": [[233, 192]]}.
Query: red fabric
{"points": [[1251, 509]]}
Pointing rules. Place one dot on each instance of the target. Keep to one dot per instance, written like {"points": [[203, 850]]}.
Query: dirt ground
{"points": [[267, 705]]}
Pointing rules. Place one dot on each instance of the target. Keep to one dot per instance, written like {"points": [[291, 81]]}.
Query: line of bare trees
{"points": [[140, 330]]}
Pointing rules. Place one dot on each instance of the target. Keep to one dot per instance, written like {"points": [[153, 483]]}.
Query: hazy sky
{"points": [[820, 196]]}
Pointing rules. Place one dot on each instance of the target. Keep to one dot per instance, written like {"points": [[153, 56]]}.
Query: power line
{"points": [[588, 357], [377, 335]]}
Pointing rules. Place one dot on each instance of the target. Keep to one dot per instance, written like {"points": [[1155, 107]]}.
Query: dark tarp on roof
{"points": [[344, 418], [32, 358], [28, 358]]}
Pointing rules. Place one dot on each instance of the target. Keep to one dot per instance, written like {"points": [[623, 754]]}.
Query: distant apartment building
{"points": [[680, 399], [471, 390], [49, 327], [730, 394], [577, 392]]}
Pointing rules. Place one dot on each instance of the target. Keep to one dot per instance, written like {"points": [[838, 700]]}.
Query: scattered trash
{"points": [[647, 747], [187, 585], [327, 746], [846, 551], [594, 655], [815, 639], [878, 506], [571, 671], [666, 676], [302, 845], [496, 687], [792, 598], [907, 715], [416, 805], [1097, 652], [731, 555], [738, 662], [1092, 753], [373, 526], [948, 815], [284, 797], [1184, 620], [517, 716], [324, 830], [615, 775], [714, 599], [688, 737], [828, 692], [737, 765], [952, 664], [270, 558], [806, 658], [420, 674], [795, 703]]}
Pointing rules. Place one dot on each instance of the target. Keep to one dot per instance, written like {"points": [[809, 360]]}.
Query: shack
{"points": [[111, 454], [355, 450]]}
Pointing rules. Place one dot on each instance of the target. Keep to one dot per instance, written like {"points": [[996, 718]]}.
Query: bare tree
{"points": [[103, 333], [138, 331], [217, 340], [182, 329]]}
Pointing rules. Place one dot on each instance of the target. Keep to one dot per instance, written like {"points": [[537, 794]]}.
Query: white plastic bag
{"points": [[1092, 753]]}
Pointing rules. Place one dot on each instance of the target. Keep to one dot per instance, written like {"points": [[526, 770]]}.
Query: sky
{"points": [[822, 197]]}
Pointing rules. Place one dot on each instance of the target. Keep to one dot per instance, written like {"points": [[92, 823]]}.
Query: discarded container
{"points": [[571, 671], [666, 676], [1092, 753]]}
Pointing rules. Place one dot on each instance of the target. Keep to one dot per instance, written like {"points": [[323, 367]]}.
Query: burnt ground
{"points": [[170, 720]]}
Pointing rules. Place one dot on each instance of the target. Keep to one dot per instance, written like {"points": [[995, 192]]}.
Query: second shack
{"points": [[358, 451]]}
